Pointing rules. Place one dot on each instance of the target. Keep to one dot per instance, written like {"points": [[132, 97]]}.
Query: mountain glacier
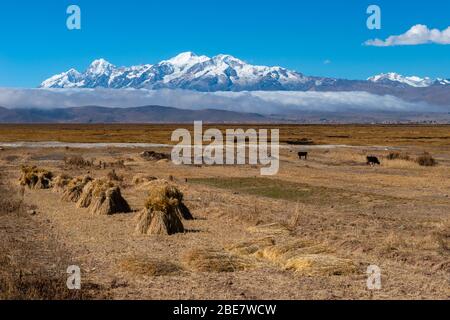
{"points": [[219, 73]]}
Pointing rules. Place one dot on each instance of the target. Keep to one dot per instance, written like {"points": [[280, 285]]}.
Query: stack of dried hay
{"points": [[147, 266], [320, 265], [103, 197], [283, 252], [35, 178], [300, 256], [75, 188], [163, 210], [107, 200], [91, 189], [208, 260], [61, 182]]}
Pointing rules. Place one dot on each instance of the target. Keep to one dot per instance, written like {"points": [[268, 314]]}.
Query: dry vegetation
{"points": [[390, 135], [308, 233], [211, 260], [27, 271]]}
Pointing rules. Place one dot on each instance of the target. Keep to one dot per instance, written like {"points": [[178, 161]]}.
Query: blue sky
{"points": [[300, 35]]}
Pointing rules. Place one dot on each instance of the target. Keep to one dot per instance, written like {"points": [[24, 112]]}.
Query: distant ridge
{"points": [[145, 114]]}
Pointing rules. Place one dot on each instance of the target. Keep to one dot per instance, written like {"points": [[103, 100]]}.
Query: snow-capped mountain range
{"points": [[219, 73], [413, 81]]}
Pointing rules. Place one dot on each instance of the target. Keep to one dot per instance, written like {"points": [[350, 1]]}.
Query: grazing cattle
{"points": [[371, 160], [302, 155]]}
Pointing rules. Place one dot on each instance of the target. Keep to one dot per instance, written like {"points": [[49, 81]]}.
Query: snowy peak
{"points": [[413, 81], [100, 66], [187, 59]]}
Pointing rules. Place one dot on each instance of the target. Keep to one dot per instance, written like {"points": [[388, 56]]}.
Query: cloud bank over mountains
{"points": [[263, 102]]}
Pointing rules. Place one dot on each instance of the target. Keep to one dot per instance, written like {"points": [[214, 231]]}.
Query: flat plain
{"points": [[309, 232]]}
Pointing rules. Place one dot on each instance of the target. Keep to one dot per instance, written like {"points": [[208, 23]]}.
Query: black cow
{"points": [[371, 160], [302, 155]]}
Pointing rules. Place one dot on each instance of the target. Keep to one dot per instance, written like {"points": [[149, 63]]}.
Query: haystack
{"points": [[75, 187], [108, 201], [163, 210], [208, 260], [60, 183], [92, 188], [159, 222], [320, 265], [163, 188], [35, 178]]}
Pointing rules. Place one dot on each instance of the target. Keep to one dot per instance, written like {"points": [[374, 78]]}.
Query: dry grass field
{"points": [[362, 135], [309, 232]]}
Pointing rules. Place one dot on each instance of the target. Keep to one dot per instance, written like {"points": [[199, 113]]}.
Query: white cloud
{"points": [[264, 102], [418, 34], [327, 61]]}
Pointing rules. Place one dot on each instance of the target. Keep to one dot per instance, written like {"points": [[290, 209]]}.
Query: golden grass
{"points": [[251, 247], [303, 257], [320, 265], [142, 178], [443, 238], [436, 135], [209, 260], [145, 266], [400, 164], [270, 229], [282, 252], [346, 156]]}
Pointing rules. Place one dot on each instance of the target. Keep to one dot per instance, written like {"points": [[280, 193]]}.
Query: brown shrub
{"points": [[443, 238], [10, 203], [398, 156], [426, 160], [154, 156], [77, 161]]}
